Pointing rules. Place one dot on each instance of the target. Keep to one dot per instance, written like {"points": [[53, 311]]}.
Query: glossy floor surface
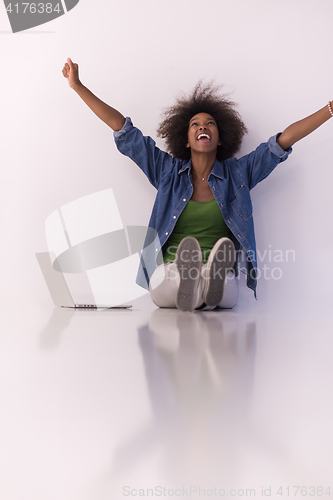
{"points": [[159, 403]]}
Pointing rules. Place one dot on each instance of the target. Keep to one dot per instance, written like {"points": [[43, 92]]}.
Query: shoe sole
{"points": [[217, 272], [189, 271]]}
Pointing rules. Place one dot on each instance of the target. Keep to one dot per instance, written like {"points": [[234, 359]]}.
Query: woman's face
{"points": [[203, 134]]}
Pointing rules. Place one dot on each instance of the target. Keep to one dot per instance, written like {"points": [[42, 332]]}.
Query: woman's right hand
{"points": [[108, 115], [71, 72]]}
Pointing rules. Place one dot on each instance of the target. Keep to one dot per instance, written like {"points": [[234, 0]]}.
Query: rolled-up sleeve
{"points": [[276, 149], [119, 135], [154, 163], [257, 165]]}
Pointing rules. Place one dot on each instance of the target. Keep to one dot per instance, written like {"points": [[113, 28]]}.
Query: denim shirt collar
{"points": [[217, 169]]}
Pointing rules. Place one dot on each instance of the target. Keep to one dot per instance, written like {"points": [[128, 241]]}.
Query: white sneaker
{"points": [[221, 259], [188, 260]]}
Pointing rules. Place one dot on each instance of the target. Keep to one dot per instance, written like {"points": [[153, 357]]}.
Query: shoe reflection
{"points": [[199, 369]]}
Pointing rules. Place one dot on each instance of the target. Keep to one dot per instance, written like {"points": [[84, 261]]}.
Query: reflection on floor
{"points": [[155, 402]]}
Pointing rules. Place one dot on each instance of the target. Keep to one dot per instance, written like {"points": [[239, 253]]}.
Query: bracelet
{"points": [[330, 108]]}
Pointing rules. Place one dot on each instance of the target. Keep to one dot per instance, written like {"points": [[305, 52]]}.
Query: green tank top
{"points": [[204, 221]]}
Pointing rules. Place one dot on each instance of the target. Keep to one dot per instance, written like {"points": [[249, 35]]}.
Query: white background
{"points": [[273, 57], [90, 403]]}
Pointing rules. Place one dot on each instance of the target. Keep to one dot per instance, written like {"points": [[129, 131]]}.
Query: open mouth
{"points": [[203, 138]]}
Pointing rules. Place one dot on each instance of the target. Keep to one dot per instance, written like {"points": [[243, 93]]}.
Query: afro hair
{"points": [[205, 98]]}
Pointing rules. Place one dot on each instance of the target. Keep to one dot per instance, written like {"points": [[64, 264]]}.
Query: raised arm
{"points": [[304, 127], [108, 115]]}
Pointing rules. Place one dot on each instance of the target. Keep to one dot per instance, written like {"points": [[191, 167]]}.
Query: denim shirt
{"points": [[230, 181]]}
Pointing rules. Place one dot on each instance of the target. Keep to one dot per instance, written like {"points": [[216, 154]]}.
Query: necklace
{"points": [[202, 178]]}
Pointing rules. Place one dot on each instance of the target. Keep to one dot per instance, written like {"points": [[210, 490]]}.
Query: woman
{"points": [[202, 213]]}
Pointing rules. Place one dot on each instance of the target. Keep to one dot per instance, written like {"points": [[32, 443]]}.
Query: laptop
{"points": [[59, 290]]}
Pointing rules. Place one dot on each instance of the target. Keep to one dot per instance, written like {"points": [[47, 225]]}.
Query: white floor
{"points": [[115, 404]]}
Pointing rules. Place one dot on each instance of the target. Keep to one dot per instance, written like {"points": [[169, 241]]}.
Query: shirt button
{"points": [[213, 188], [156, 249], [174, 217], [184, 199], [166, 233]]}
